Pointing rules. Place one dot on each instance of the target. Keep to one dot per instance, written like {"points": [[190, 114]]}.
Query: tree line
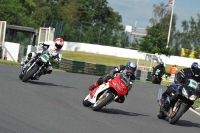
{"points": [[95, 22]]}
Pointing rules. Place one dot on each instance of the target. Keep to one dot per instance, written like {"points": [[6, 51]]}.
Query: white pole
{"points": [[135, 25], [170, 24]]}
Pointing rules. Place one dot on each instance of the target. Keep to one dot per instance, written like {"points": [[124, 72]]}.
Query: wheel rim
{"points": [[101, 98]]}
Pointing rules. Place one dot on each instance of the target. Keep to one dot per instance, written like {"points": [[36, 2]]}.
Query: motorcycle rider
{"points": [[161, 67], [129, 70], [54, 51], [181, 77]]}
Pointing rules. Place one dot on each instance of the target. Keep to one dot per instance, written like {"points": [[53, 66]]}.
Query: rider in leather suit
{"points": [[129, 69]]}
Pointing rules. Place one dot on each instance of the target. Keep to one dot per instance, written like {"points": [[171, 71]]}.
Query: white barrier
{"points": [[112, 51], [126, 53], [11, 50]]}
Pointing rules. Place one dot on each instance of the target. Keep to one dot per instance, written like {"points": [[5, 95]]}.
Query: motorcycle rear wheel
{"points": [[30, 73], [103, 102]]}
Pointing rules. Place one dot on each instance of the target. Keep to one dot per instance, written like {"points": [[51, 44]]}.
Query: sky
{"points": [[140, 11]]}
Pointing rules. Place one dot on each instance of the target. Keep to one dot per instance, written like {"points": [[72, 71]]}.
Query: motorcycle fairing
{"points": [[94, 93]]}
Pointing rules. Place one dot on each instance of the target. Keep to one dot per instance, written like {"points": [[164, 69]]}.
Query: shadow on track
{"points": [[49, 84], [121, 112], [187, 123]]}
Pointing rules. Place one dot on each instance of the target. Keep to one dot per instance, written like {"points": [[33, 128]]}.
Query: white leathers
{"points": [[52, 49]]}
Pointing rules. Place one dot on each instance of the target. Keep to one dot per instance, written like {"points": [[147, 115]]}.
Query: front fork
{"points": [[104, 94], [39, 70]]}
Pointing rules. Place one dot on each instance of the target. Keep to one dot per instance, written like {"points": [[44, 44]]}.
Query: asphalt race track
{"points": [[53, 104]]}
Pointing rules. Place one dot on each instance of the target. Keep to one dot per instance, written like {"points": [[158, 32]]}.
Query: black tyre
{"points": [[161, 115], [177, 116], [153, 79], [30, 73], [102, 102], [21, 76], [86, 103]]}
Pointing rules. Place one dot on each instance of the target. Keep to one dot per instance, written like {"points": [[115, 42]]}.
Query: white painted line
{"points": [[195, 111]]}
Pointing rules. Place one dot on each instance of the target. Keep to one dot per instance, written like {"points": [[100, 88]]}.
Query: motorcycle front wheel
{"points": [[21, 76], [182, 109], [102, 101], [85, 102], [30, 73]]}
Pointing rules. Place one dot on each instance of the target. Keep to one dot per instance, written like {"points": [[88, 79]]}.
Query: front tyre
{"points": [[21, 76], [102, 101], [85, 102], [30, 73], [179, 113], [153, 79]]}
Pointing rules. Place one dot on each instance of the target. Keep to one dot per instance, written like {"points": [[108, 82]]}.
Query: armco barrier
{"points": [[89, 68], [100, 69], [108, 68], [66, 65], [69, 65], [55, 65], [78, 66]]}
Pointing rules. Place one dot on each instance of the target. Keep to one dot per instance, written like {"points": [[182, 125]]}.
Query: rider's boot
{"points": [[93, 86]]}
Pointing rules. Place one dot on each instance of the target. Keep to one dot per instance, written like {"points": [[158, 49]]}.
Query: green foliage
{"points": [[155, 41], [15, 13], [190, 36]]}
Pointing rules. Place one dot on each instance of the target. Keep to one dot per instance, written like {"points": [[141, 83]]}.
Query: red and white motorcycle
{"points": [[107, 92]]}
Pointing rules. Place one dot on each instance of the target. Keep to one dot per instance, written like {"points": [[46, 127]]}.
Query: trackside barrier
{"points": [[73, 66], [168, 78]]}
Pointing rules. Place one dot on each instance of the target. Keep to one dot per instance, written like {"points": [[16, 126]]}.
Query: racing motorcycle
{"points": [[107, 92], [157, 77], [174, 107], [35, 67]]}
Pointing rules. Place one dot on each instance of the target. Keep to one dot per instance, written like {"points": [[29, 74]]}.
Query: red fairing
{"points": [[118, 85], [93, 92]]}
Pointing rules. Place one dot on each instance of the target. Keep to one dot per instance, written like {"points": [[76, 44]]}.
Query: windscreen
{"points": [[125, 79]]}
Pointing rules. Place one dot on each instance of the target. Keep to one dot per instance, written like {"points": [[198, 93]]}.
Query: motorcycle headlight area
{"points": [[44, 58], [184, 92], [193, 98]]}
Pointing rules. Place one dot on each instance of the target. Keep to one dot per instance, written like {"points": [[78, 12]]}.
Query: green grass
{"points": [[197, 103], [107, 60], [96, 58], [9, 63]]}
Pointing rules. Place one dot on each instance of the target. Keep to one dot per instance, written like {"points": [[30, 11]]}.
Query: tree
{"points": [[154, 41], [164, 19], [15, 13]]}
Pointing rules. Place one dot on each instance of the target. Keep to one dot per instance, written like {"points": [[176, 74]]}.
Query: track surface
{"points": [[53, 104]]}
